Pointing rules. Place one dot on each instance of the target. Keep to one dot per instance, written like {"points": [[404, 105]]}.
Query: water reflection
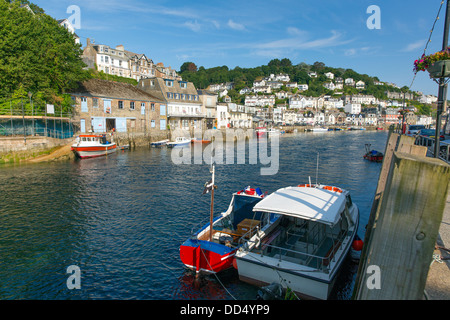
{"points": [[122, 218]]}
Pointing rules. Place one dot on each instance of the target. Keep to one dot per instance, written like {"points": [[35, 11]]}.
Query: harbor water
{"points": [[120, 219]]}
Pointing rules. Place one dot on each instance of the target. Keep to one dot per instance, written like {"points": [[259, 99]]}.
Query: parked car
{"points": [[431, 133], [445, 150], [414, 129]]}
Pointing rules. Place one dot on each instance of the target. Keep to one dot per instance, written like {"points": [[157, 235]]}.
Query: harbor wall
{"points": [[404, 223], [17, 149]]}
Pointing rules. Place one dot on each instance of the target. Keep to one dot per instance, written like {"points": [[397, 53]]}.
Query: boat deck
{"points": [[309, 247]]}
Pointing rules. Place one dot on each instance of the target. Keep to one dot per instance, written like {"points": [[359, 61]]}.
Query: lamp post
{"points": [[442, 96], [23, 122], [32, 114]]}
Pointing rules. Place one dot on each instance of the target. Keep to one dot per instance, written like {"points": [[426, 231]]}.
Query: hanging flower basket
{"points": [[439, 69], [437, 64]]}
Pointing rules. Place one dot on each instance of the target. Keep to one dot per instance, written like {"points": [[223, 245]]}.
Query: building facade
{"points": [[184, 108], [104, 106]]}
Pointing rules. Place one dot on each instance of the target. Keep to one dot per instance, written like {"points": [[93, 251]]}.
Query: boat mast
{"points": [[212, 207]]}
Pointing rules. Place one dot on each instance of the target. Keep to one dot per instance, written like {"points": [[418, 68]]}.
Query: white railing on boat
{"points": [[299, 257]]}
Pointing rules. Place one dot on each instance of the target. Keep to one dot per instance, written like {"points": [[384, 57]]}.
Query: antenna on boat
{"points": [[317, 169], [212, 206]]}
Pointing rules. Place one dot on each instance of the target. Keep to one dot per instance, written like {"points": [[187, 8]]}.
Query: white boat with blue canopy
{"points": [[305, 248]]}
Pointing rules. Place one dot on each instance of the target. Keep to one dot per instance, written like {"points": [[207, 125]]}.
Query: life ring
{"points": [[336, 189], [305, 186]]}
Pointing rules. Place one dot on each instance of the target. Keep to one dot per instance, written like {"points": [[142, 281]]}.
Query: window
{"points": [[106, 59], [183, 85], [153, 124], [152, 106], [95, 102], [120, 104], [132, 105], [169, 83]]}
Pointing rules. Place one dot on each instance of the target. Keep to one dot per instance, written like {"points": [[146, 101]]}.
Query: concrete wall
{"points": [[31, 144]]}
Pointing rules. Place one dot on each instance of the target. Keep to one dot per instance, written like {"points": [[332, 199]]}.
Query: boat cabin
{"points": [[93, 138], [310, 232]]}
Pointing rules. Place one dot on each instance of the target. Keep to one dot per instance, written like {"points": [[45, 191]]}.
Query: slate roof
{"points": [[114, 90]]}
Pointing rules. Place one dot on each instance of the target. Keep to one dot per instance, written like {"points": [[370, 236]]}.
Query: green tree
{"points": [[37, 55]]}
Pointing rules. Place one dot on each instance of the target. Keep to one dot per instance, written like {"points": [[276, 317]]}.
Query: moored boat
{"points": [[304, 249], [319, 129], [200, 141], [272, 132], [179, 141], [261, 131], [373, 155], [159, 143], [211, 249], [93, 145]]}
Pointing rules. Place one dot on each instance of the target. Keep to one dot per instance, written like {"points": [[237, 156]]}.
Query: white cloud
{"points": [[415, 45], [300, 43], [193, 25], [350, 52], [235, 26], [293, 31]]}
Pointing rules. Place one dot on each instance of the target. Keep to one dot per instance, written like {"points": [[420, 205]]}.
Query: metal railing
{"points": [[429, 142], [299, 257]]}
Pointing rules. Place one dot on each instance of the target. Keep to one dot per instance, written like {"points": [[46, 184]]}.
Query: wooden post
{"points": [[371, 224], [403, 238]]}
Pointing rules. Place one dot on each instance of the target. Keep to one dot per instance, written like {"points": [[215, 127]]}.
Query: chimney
{"points": [[88, 42]]}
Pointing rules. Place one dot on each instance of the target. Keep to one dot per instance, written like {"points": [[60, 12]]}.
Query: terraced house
{"points": [[184, 108], [105, 106]]}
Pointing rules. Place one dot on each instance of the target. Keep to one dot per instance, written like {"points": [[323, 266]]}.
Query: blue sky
{"points": [[251, 33]]}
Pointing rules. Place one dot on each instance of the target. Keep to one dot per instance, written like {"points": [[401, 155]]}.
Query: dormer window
{"points": [[169, 83], [183, 84]]}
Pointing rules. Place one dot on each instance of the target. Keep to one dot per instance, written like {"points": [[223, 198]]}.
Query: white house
{"points": [[353, 108], [222, 116], [329, 75], [363, 99], [245, 90], [66, 24], [349, 82], [262, 89], [292, 85], [360, 85], [303, 87], [329, 85]]}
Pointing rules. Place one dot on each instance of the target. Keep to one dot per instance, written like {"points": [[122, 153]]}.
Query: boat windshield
{"points": [[243, 209]]}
